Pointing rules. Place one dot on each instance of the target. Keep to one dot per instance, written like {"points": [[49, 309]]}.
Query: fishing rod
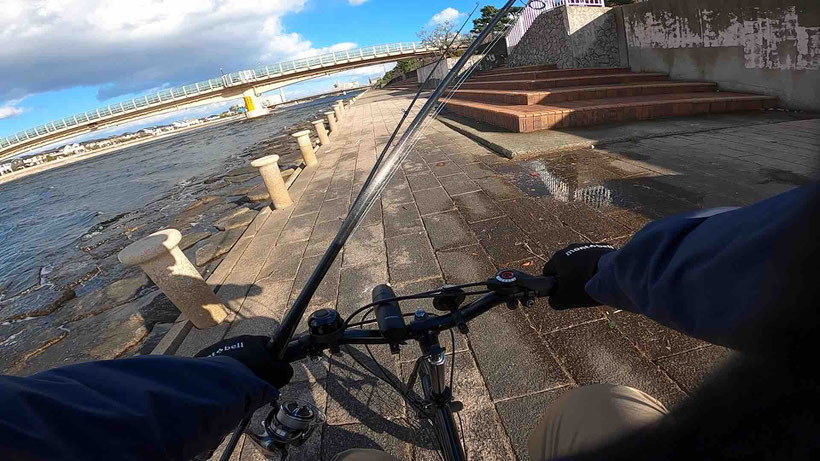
{"points": [[418, 93], [371, 190]]}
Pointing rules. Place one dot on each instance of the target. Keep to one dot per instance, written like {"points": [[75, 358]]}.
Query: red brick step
{"points": [[584, 80], [552, 73], [521, 118], [574, 93], [504, 70]]}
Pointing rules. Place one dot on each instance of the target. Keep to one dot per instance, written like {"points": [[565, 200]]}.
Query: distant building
{"points": [[70, 149], [148, 132], [18, 164], [98, 144], [35, 160], [346, 85]]}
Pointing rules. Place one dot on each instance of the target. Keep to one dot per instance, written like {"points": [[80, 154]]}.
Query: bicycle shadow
{"points": [[381, 419]]}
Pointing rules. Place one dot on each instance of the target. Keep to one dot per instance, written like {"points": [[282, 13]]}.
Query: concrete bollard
{"points": [[159, 256], [321, 132], [269, 170], [306, 146], [337, 110], [331, 121]]}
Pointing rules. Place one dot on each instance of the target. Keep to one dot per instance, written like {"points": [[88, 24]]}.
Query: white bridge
{"points": [[247, 83]]}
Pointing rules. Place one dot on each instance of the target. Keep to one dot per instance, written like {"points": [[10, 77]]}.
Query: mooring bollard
{"points": [[321, 132], [303, 137], [331, 121], [269, 170], [337, 110], [159, 256]]}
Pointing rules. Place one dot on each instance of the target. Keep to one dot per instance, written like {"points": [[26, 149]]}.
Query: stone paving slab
{"points": [[456, 212]]}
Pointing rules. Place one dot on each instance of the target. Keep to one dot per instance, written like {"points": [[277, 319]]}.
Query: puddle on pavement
{"points": [[774, 175], [573, 177], [588, 177]]}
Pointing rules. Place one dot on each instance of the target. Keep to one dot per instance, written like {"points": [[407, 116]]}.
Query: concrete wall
{"points": [[569, 36], [440, 69], [760, 46]]}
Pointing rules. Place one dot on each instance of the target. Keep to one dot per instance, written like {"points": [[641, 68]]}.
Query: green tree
{"points": [[440, 36], [487, 14], [407, 65]]}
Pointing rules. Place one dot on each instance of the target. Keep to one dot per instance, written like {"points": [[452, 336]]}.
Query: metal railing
{"points": [[534, 9], [215, 84]]}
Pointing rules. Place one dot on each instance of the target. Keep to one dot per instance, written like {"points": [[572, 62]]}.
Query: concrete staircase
{"points": [[410, 83], [533, 98]]}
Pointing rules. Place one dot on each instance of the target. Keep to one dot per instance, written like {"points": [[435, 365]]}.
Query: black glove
{"points": [[251, 351], [573, 267]]}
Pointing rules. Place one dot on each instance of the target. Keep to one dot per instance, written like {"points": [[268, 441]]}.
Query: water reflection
{"points": [[562, 184]]}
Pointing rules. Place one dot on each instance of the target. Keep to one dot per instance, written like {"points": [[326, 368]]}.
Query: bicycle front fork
{"points": [[433, 377]]}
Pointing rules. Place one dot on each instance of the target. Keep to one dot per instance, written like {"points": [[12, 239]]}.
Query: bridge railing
{"points": [[214, 84]]}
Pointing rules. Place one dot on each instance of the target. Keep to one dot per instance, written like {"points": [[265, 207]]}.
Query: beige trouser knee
{"points": [[591, 416], [362, 454]]}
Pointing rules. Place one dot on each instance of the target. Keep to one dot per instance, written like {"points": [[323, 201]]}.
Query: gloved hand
{"points": [[251, 351], [573, 267]]}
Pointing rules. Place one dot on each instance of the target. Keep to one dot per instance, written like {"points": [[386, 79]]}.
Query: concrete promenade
{"points": [[455, 213]]}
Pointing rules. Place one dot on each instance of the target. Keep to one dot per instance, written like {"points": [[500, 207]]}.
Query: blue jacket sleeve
{"points": [[737, 277], [141, 408]]}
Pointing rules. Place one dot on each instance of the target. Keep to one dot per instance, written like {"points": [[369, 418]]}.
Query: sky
{"points": [[61, 57]]}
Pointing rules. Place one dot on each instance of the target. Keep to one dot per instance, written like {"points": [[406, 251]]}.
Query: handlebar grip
{"points": [[388, 314]]}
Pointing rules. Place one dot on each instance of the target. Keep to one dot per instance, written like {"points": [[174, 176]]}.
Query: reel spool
{"points": [[288, 424]]}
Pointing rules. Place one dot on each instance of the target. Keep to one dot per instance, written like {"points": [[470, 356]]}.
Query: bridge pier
{"points": [[253, 105]]}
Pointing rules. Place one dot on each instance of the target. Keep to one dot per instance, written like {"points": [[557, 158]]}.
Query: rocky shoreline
{"points": [[93, 308]]}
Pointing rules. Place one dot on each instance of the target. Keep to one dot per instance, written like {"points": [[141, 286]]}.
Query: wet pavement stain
{"points": [[774, 175], [595, 178], [573, 177]]}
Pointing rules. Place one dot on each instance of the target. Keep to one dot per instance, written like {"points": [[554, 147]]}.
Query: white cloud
{"points": [[356, 2], [9, 111], [130, 47], [446, 16]]}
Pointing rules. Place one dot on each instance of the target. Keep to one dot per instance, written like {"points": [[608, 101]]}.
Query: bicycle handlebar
{"points": [[528, 287]]}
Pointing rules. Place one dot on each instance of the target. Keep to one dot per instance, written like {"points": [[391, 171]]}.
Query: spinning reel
{"points": [[287, 425]]}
